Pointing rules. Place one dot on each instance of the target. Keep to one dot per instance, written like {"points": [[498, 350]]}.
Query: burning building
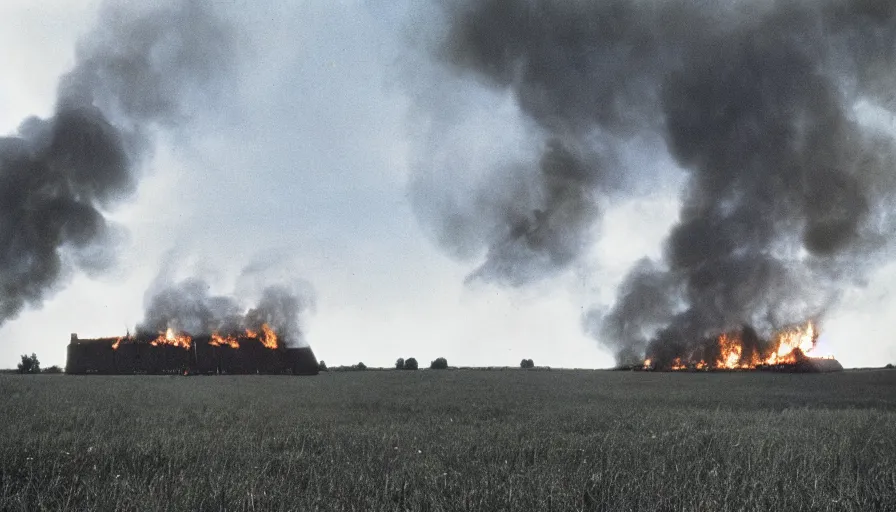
{"points": [[186, 330], [770, 122], [247, 352], [788, 350]]}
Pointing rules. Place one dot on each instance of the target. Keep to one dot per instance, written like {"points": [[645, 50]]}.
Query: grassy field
{"points": [[450, 440]]}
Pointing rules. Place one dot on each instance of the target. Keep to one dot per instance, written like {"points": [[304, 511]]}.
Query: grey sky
{"points": [[305, 167]]}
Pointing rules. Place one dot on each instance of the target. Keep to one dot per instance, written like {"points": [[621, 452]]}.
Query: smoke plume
{"points": [[188, 307], [60, 175], [541, 225], [789, 193]]}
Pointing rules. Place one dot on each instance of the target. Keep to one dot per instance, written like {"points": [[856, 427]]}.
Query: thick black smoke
{"points": [[58, 176], [541, 225], [187, 307], [789, 194]]}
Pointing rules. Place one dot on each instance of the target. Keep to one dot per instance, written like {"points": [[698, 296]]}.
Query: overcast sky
{"points": [[303, 166]]}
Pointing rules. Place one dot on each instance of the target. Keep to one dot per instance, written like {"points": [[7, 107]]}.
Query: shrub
{"points": [[322, 366], [53, 369], [439, 364], [29, 364], [527, 363], [399, 363], [410, 364]]}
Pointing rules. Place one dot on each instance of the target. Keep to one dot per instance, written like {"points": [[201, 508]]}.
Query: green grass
{"points": [[451, 440]]}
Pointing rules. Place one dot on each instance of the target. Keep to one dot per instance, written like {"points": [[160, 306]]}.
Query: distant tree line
{"points": [[31, 364], [439, 363], [406, 364]]}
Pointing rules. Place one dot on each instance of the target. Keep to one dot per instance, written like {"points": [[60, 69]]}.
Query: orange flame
{"points": [[268, 337], [218, 340], [788, 346], [169, 337], [789, 340], [730, 350]]}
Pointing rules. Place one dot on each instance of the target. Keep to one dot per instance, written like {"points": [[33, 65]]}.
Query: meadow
{"points": [[450, 440]]}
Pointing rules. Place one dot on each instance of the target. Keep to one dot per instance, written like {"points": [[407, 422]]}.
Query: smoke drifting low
{"points": [[187, 307], [789, 195], [59, 176]]}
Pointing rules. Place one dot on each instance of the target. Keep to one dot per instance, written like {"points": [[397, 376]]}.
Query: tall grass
{"points": [[455, 440]]}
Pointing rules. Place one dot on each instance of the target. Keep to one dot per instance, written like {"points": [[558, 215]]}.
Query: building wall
{"points": [[134, 357]]}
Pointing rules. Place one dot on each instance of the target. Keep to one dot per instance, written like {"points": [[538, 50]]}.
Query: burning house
{"points": [[248, 352]]}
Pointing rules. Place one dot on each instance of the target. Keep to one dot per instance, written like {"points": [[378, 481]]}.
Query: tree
{"points": [[439, 364], [399, 363], [527, 363], [322, 366], [360, 366], [29, 364], [410, 364]]}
